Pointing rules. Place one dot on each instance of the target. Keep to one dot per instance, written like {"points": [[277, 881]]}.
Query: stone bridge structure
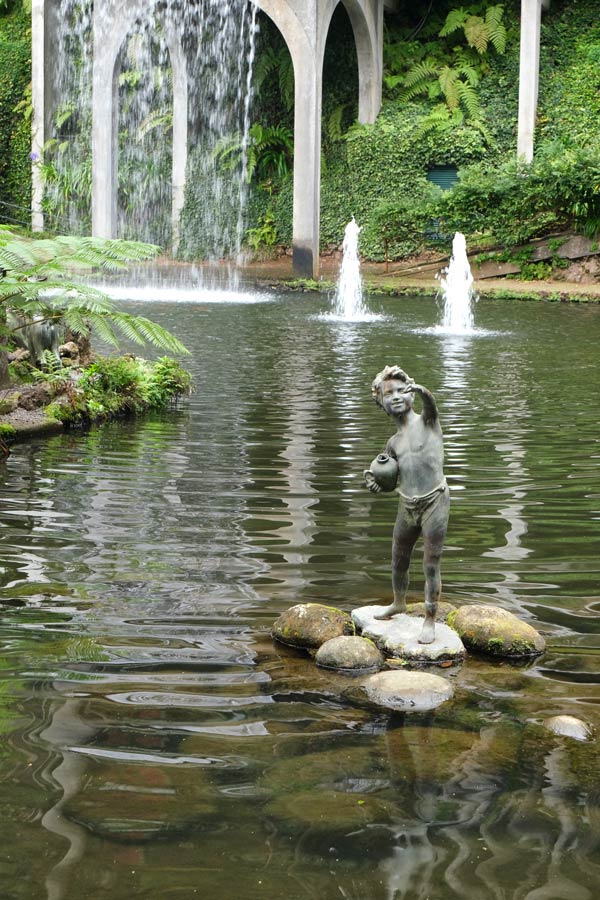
{"points": [[304, 25]]}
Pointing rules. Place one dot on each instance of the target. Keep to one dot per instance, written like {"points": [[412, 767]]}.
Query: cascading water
{"points": [[349, 303], [217, 40], [457, 290]]}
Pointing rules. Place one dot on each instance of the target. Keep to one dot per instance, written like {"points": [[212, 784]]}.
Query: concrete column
{"points": [[180, 131], [529, 75], [38, 99], [307, 167], [104, 143], [367, 24]]}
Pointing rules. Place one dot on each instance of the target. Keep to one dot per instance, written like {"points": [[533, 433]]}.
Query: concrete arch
{"points": [[305, 29], [108, 42]]}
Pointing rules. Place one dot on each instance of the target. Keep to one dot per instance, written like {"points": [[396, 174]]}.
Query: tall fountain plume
{"points": [[218, 43], [349, 302], [457, 290]]}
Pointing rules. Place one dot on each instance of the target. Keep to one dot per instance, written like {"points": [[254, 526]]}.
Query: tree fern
{"points": [[39, 278]]}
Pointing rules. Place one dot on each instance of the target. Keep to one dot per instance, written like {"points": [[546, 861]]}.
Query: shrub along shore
{"points": [[42, 402]]}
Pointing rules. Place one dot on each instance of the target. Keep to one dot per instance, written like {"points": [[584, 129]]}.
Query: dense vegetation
{"points": [[450, 99], [15, 112]]}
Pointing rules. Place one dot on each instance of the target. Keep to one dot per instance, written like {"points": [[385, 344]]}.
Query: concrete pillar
{"points": [[38, 99], [104, 141], [529, 75], [307, 167], [180, 130], [367, 25]]}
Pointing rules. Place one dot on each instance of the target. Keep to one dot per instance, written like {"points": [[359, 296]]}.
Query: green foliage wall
{"points": [[15, 126]]}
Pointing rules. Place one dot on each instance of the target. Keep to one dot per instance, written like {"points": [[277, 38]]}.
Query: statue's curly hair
{"points": [[387, 373]]}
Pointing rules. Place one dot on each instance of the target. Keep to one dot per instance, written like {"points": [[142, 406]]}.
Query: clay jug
{"points": [[384, 469]]}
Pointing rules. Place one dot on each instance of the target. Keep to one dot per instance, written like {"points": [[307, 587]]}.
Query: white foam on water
{"points": [[199, 294]]}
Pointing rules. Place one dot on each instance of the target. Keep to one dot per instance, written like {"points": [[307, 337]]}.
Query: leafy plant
{"points": [[265, 233], [448, 73], [275, 64], [39, 277], [268, 153]]}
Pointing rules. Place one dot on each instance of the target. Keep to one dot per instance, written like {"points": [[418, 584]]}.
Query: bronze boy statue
{"points": [[418, 449]]}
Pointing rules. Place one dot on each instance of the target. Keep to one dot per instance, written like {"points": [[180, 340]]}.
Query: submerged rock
{"points": [[496, 632], [349, 652], [407, 691], [569, 726], [308, 625], [399, 637]]}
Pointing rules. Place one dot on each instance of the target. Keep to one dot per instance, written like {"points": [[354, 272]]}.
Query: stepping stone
{"points": [[308, 625], [349, 653], [398, 637], [569, 726], [407, 691], [496, 632]]}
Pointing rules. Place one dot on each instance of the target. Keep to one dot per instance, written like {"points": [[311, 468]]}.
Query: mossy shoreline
{"points": [[45, 403]]}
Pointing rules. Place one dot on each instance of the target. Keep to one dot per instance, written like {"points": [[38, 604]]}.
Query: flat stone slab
{"points": [[399, 637], [407, 691]]}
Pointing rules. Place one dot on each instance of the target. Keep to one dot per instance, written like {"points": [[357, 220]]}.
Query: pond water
{"points": [[153, 741]]}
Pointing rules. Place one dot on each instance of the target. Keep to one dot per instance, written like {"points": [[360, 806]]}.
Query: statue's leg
{"points": [[404, 539], [435, 526]]}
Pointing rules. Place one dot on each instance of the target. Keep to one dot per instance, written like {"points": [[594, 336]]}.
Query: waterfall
{"points": [[217, 40]]}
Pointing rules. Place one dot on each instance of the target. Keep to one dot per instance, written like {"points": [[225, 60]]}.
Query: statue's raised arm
{"points": [[430, 410]]}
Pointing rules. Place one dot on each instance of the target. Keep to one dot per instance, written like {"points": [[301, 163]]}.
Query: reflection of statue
{"points": [[418, 448]]}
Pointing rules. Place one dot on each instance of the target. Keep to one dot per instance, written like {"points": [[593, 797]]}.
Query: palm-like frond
{"points": [[455, 20], [36, 278], [477, 33]]}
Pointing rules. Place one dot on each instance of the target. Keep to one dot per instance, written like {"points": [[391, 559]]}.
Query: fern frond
{"points": [[420, 74], [334, 125], [449, 82], [455, 20], [477, 33], [468, 97], [496, 27]]}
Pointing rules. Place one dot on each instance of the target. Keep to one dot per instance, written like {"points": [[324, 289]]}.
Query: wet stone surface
{"points": [[308, 625], [569, 726], [399, 637], [350, 652], [496, 632], [407, 691]]}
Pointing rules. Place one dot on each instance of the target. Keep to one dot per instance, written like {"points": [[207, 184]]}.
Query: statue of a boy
{"points": [[418, 449]]}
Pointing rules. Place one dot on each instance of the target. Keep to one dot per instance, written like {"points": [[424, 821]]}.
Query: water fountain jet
{"points": [[456, 283], [349, 304]]}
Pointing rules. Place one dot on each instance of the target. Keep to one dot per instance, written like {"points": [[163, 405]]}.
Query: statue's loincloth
{"points": [[419, 507]]}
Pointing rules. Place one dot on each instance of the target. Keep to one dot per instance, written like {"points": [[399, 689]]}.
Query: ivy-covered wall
{"points": [[15, 124]]}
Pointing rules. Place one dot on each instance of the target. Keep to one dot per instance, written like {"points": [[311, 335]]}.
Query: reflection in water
{"points": [[155, 744]]}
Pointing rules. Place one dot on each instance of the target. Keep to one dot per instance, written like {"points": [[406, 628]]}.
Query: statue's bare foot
{"points": [[388, 611], [428, 632]]}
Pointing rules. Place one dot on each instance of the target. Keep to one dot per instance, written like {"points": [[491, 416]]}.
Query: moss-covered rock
{"points": [[495, 632], [308, 625], [350, 653]]}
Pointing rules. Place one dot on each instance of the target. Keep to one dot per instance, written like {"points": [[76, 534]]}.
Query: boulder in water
{"points": [[569, 726], [349, 653], [496, 632], [407, 691], [308, 625]]}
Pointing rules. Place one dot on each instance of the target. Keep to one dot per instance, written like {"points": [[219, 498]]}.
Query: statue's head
{"points": [[389, 373]]}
